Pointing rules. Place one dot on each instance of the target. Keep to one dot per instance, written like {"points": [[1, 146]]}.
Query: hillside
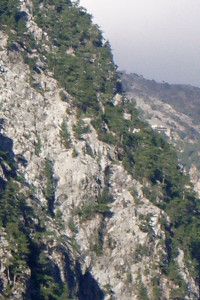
{"points": [[184, 98], [93, 202], [168, 110]]}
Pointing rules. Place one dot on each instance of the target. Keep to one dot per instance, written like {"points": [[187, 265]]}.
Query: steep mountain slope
{"points": [[93, 204], [173, 110]]}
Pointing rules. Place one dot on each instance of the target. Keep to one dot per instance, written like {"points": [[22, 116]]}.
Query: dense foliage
{"points": [[11, 17], [78, 56]]}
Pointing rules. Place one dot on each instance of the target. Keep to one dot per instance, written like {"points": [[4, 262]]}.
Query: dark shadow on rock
{"points": [[2, 184], [88, 286], [2, 120], [6, 145], [69, 274], [21, 160], [7, 156], [108, 214]]}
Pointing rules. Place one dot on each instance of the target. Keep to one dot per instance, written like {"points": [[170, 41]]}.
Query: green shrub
{"points": [[80, 128], [74, 153], [38, 145], [142, 290], [63, 96], [49, 190], [65, 135], [89, 150]]}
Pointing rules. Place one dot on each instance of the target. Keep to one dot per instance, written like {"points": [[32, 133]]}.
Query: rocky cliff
{"points": [[86, 211]]}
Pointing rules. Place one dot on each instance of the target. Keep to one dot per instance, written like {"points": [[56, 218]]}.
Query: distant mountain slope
{"points": [[174, 111], [184, 98]]}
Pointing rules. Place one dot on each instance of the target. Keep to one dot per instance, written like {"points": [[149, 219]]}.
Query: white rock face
{"points": [[121, 250]]}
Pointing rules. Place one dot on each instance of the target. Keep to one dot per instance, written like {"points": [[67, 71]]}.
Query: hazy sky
{"points": [[159, 39]]}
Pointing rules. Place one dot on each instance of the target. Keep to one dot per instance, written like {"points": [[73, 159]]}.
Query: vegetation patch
{"points": [[65, 135]]}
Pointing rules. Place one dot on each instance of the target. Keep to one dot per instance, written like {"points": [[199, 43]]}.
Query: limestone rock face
{"points": [[115, 251]]}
